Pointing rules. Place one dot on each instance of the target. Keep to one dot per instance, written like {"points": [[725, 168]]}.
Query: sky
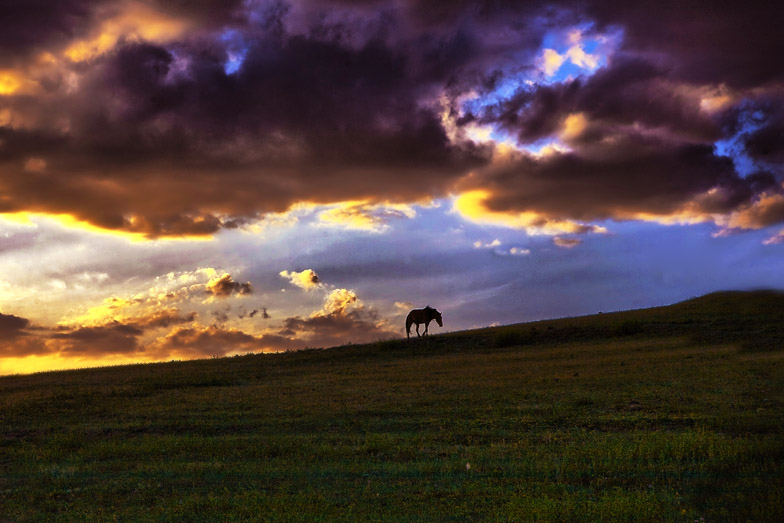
{"points": [[192, 179]]}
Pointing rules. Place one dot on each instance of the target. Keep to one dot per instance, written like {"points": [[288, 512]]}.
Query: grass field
{"points": [[667, 414]]}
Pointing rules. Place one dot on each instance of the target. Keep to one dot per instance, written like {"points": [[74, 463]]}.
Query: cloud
{"points": [[114, 338], [630, 92], [162, 318], [620, 176], [11, 326], [306, 279], [179, 120], [487, 245], [365, 217], [313, 118], [403, 306], [17, 337], [149, 327], [730, 45], [766, 142], [54, 27], [224, 286], [551, 61], [566, 242], [475, 205], [343, 318], [135, 337], [262, 314], [338, 303], [766, 210], [200, 341], [775, 239]]}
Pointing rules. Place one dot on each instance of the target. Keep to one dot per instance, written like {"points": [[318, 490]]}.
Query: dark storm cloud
{"points": [[36, 25], [766, 143], [302, 119], [628, 93], [642, 145], [340, 99], [631, 174], [702, 41]]}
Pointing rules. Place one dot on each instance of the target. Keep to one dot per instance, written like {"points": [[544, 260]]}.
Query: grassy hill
{"points": [[664, 414]]}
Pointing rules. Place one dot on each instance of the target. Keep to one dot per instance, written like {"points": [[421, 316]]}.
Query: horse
{"points": [[425, 316]]}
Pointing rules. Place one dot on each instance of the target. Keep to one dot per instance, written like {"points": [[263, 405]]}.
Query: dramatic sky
{"points": [[186, 179]]}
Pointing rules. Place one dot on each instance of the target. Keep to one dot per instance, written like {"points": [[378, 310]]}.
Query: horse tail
{"points": [[409, 321]]}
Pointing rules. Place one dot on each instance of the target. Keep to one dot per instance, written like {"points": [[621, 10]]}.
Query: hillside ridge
{"points": [[752, 319]]}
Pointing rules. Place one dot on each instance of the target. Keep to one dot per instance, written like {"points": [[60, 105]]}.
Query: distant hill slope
{"points": [[753, 320]]}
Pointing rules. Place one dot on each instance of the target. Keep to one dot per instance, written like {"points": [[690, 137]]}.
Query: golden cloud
{"points": [[766, 210], [472, 206], [128, 21], [307, 279], [364, 216], [338, 302]]}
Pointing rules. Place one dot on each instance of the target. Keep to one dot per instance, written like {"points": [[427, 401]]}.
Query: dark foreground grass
{"points": [[671, 414]]}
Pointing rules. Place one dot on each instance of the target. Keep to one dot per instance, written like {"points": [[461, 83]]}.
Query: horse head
{"points": [[437, 316]]}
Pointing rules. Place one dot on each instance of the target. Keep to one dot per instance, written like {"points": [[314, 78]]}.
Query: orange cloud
{"points": [[766, 210], [338, 302], [126, 21], [14, 82], [472, 205], [306, 279], [365, 216]]}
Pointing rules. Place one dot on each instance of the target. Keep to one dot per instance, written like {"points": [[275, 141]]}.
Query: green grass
{"points": [[667, 414]]}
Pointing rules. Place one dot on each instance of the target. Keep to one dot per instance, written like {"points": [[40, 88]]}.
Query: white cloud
{"points": [[487, 245], [775, 239]]}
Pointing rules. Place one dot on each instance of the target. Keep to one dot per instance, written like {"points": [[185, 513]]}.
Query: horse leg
{"points": [[417, 328], [427, 324]]}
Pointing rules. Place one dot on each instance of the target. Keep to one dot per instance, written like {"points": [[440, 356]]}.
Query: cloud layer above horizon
{"points": [[180, 119]]}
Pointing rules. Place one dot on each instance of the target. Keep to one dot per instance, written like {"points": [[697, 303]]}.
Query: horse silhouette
{"points": [[419, 316]]}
